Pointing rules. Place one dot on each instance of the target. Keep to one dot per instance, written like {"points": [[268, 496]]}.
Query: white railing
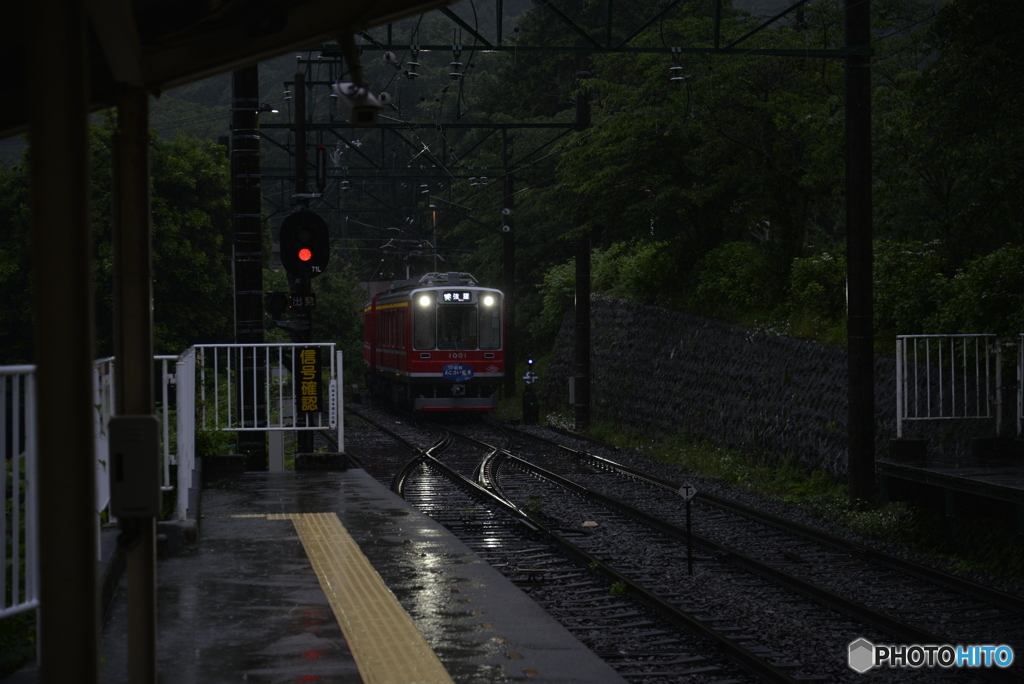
{"points": [[163, 413], [103, 404], [947, 377], [185, 377], [267, 386], [19, 570]]}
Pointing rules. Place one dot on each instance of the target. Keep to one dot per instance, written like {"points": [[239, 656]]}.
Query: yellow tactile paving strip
{"points": [[386, 646]]}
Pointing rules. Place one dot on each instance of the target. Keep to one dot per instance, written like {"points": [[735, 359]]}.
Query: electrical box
{"points": [[134, 466]]}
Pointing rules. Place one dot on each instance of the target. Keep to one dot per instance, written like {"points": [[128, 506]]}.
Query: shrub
{"points": [[736, 278], [986, 296], [910, 287], [818, 286]]}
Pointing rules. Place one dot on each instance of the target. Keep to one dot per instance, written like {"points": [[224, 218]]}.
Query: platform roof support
{"points": [[68, 627], [133, 349]]}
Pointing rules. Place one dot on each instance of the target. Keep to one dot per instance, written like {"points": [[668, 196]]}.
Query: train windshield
{"points": [[490, 323], [456, 327], [424, 323]]}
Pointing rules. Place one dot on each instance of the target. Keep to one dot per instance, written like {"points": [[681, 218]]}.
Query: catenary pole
{"points": [[581, 404], [508, 239], [860, 333], [247, 240]]}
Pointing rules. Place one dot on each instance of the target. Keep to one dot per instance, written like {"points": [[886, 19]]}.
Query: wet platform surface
{"points": [[249, 606]]}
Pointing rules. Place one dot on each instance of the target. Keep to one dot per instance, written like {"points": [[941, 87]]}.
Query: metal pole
{"points": [[300, 137], [508, 238], [900, 363], [68, 627], [581, 410], [247, 236], [133, 350], [689, 541], [861, 422]]}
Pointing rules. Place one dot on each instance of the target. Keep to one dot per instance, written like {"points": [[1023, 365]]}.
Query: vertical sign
{"points": [[309, 380]]}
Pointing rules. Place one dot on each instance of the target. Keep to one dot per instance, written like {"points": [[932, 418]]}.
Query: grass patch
{"points": [[977, 544]]}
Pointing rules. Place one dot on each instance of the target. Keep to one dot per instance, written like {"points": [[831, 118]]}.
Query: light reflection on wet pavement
{"points": [[247, 606]]}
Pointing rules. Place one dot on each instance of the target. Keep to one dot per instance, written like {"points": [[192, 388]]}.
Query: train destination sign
{"points": [[459, 372], [457, 297]]}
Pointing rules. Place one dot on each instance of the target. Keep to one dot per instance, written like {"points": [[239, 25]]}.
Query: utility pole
{"points": [[508, 239], [860, 332], [247, 237], [581, 393], [299, 285]]}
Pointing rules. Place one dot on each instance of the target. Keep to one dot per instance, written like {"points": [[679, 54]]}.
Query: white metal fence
{"points": [[294, 387], [947, 377], [267, 386], [18, 518]]}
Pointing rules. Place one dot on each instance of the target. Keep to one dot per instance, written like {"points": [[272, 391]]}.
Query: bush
{"points": [[640, 272], [910, 287], [818, 286], [986, 296], [736, 278]]}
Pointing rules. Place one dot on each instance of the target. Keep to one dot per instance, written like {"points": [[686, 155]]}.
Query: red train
{"points": [[436, 344]]}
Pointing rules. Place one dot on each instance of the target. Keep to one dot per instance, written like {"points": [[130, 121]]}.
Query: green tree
{"points": [[15, 266], [950, 166], [191, 221], [987, 296]]}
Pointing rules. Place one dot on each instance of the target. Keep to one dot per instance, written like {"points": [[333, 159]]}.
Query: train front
{"points": [[456, 359]]}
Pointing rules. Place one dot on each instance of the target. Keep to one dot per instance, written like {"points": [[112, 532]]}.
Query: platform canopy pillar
{"points": [[63, 341], [133, 350]]}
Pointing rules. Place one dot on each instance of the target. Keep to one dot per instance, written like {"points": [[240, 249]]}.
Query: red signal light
{"points": [[305, 254]]}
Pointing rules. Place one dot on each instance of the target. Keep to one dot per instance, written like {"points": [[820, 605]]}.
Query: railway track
{"points": [[814, 556], [776, 578]]}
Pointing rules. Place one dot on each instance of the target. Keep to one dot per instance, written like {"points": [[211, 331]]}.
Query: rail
{"points": [[19, 569], [947, 377]]}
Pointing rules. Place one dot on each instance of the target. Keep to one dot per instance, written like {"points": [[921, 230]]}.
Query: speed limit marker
{"points": [[687, 491]]}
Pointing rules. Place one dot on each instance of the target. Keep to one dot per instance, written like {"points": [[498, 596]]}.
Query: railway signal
{"points": [[531, 407], [305, 245]]}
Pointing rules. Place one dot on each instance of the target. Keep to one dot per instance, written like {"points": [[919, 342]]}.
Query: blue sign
{"points": [[529, 377], [459, 372]]}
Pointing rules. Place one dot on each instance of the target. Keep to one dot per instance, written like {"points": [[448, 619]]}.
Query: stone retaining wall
{"points": [[660, 371]]}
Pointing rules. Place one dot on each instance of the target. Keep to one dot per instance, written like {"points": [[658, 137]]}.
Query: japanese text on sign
{"points": [[309, 380]]}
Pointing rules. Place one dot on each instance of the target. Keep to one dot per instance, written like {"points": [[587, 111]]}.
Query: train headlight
{"points": [[488, 300], [425, 300]]}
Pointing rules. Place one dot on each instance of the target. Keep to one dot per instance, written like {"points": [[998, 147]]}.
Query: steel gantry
{"points": [[610, 36]]}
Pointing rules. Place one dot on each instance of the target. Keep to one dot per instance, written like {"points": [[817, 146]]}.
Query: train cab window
{"points": [[490, 322], [424, 323], [456, 327]]}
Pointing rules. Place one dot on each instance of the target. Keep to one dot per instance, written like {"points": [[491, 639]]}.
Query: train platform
{"points": [[330, 577], [993, 470], [988, 481]]}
